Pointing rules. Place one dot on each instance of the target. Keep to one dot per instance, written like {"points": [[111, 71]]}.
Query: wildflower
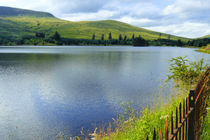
{"points": [[94, 134], [163, 117]]}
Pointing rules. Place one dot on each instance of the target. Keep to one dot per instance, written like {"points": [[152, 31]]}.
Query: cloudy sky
{"points": [[188, 18]]}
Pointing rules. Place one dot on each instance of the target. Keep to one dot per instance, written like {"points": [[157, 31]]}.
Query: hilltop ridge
{"points": [[206, 36], [9, 11]]}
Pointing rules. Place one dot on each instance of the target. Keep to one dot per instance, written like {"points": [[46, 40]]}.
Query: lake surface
{"points": [[45, 91]]}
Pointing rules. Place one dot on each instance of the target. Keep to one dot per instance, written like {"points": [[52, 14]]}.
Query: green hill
{"points": [[206, 36], [17, 23]]}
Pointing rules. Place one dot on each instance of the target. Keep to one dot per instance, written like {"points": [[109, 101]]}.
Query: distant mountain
{"points": [[17, 23], [8, 11]]}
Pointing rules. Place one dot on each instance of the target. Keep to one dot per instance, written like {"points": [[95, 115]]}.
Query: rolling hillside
{"points": [[206, 36], [17, 23]]}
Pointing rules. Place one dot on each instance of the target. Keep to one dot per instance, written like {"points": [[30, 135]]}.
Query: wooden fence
{"points": [[189, 116]]}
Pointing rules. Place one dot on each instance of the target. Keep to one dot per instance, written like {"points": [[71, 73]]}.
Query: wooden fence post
{"points": [[176, 124], [180, 120], [161, 134], [154, 135], [183, 130], [186, 122], [191, 133], [166, 133]]}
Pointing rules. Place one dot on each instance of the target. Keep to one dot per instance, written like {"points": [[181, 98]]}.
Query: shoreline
{"points": [[205, 49]]}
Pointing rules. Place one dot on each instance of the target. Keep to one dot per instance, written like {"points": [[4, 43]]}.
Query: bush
{"points": [[186, 72]]}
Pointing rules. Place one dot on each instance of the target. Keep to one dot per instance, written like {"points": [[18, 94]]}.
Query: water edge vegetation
{"points": [[134, 125]]}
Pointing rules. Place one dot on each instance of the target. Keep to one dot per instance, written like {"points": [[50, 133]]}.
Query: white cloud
{"points": [[186, 29], [187, 9], [137, 22], [100, 15]]}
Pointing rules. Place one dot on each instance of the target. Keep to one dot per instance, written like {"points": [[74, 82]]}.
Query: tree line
{"points": [[56, 39]]}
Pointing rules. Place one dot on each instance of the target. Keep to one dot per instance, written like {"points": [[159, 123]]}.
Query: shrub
{"points": [[186, 72]]}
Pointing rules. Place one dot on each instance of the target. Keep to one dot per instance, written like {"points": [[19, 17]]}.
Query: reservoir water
{"points": [[48, 91]]}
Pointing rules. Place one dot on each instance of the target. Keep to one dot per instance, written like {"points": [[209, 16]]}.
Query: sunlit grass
{"points": [[134, 128], [205, 49], [206, 129], [23, 26]]}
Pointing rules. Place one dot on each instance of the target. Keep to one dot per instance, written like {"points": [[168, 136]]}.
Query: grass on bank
{"points": [[206, 130], [132, 126], [205, 49], [140, 127]]}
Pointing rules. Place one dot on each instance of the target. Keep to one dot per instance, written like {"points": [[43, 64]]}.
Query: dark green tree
{"points": [[102, 37], [110, 36], [120, 37], [56, 36], [160, 36], [140, 42], [133, 37], [94, 36], [125, 38], [179, 43]]}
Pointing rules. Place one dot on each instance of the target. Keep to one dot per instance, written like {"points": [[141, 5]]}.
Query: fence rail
{"points": [[190, 114]]}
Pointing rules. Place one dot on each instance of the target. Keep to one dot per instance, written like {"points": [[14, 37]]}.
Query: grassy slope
{"points": [[19, 26], [206, 36], [205, 49]]}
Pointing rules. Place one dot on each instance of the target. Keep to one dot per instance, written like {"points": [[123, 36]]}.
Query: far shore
{"points": [[205, 49]]}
